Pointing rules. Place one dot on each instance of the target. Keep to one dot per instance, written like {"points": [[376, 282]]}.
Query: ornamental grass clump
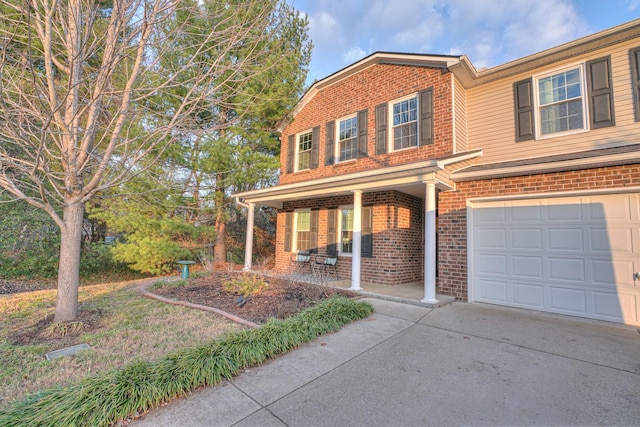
{"points": [[115, 395]]}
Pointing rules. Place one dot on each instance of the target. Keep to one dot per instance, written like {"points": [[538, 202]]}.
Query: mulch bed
{"points": [[280, 299]]}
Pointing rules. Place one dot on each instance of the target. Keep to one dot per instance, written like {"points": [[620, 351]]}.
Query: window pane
{"points": [[304, 151], [405, 127], [560, 98], [346, 230], [303, 228], [347, 141]]}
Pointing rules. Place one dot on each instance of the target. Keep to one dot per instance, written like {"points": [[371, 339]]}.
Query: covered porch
{"points": [[421, 181]]}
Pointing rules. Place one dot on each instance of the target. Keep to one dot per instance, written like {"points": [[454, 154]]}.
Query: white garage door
{"points": [[570, 255]]}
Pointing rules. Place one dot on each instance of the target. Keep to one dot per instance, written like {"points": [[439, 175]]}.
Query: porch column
{"points": [[357, 240], [248, 246], [430, 244]]}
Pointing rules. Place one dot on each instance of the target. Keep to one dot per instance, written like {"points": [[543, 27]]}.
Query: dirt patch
{"points": [[280, 298], [17, 286], [59, 334]]}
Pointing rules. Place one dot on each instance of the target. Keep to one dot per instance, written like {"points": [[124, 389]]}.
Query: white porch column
{"points": [[248, 246], [357, 241], [430, 244]]}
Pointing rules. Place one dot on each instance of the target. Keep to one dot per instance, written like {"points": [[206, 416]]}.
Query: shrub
{"points": [[246, 284]]}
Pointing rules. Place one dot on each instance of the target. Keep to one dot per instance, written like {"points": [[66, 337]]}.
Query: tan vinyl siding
{"points": [[491, 122], [460, 117]]}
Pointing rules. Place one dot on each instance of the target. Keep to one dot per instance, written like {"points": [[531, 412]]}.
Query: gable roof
{"points": [[465, 71]]}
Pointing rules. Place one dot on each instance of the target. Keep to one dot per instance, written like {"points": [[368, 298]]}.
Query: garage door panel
{"points": [[566, 269], [569, 255], [528, 295], [609, 209], [527, 266], [494, 291], [491, 238], [529, 239], [566, 239], [612, 240], [526, 214], [568, 300], [612, 274], [559, 211], [492, 215], [609, 306], [493, 264]]}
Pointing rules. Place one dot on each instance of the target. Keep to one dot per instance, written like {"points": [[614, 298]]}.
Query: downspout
{"points": [[248, 247]]}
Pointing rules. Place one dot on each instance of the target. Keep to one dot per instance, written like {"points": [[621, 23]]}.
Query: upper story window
{"points": [[404, 121], [304, 151], [573, 99], [561, 102], [348, 139]]}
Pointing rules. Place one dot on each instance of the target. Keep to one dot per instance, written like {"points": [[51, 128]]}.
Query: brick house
{"points": [[517, 185]]}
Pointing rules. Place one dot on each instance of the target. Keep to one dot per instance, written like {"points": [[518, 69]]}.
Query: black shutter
{"points": [[332, 227], [363, 126], [634, 58], [315, 148], [381, 129], [367, 231], [291, 149], [523, 99], [329, 157], [313, 234], [288, 231], [600, 93], [426, 116]]}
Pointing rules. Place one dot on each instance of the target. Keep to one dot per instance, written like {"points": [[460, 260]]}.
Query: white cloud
{"points": [[353, 55]]}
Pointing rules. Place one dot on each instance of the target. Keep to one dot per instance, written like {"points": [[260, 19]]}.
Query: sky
{"points": [[489, 32]]}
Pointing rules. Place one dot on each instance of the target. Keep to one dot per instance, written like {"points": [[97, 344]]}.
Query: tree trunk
{"points": [[69, 269], [220, 248]]}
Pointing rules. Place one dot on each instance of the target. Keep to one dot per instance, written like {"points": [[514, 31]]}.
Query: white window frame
{"points": [[390, 137], [339, 231], [294, 243], [536, 99], [337, 138], [297, 151]]}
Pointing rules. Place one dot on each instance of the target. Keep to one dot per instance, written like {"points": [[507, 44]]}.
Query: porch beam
{"points": [[430, 243]]}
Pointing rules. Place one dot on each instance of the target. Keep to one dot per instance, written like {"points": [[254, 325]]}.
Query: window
{"points": [[348, 139], [404, 119], [303, 231], [561, 102], [346, 230], [304, 150]]}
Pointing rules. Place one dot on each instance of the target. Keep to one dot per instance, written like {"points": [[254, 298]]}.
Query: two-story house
{"points": [[516, 185]]}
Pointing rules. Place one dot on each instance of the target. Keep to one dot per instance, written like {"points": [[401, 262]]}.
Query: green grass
{"points": [[131, 327], [114, 395]]}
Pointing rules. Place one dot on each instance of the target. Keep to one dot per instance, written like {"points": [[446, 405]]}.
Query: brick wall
{"points": [[452, 220], [397, 236], [377, 84]]}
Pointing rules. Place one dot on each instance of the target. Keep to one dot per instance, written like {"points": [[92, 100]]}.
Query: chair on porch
{"points": [[326, 265], [300, 263]]}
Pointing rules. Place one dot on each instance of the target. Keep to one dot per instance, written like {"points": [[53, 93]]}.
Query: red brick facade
{"points": [[375, 85], [398, 236]]}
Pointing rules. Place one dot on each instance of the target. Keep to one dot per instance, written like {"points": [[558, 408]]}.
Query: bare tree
{"points": [[92, 92]]}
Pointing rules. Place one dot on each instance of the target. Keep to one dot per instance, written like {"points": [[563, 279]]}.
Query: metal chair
{"points": [[300, 263], [326, 265]]}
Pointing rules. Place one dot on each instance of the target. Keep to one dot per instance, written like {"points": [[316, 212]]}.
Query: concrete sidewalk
{"points": [[461, 364]]}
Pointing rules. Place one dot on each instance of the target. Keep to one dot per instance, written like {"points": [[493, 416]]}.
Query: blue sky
{"points": [[489, 32]]}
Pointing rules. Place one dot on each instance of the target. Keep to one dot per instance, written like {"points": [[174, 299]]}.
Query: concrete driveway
{"points": [[461, 364]]}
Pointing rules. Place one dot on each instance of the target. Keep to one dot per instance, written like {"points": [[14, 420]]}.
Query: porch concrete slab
{"points": [[430, 376], [262, 418], [286, 374], [408, 312], [592, 341]]}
